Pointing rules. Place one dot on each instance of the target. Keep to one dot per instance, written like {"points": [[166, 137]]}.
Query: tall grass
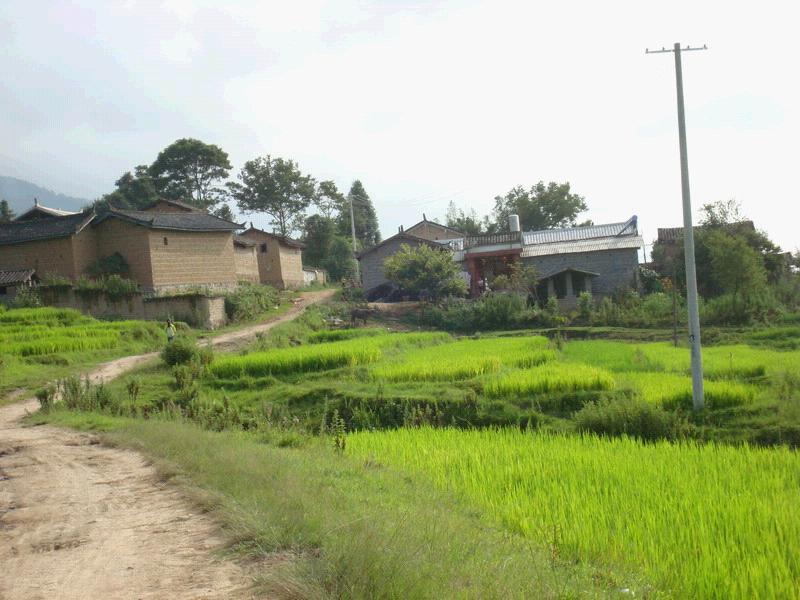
{"points": [[700, 521], [465, 359], [336, 335], [672, 390]]}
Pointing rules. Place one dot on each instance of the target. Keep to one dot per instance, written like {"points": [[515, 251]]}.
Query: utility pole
{"points": [[688, 233], [353, 232]]}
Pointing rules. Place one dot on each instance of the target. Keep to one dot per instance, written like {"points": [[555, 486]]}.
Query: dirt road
{"points": [[80, 520]]}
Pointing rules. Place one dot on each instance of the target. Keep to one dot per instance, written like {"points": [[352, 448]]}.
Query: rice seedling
{"points": [[672, 390], [465, 359], [550, 377], [335, 335], [318, 357], [698, 521]]}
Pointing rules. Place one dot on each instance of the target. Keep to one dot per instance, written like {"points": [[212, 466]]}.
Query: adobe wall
{"points": [[188, 259], [47, 257], [246, 263], [198, 311], [84, 250], [269, 263], [131, 241], [291, 267]]}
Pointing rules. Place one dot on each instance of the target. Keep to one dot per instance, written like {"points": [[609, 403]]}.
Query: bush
{"points": [[493, 311], [114, 264], [628, 416], [250, 300], [26, 298], [180, 351]]}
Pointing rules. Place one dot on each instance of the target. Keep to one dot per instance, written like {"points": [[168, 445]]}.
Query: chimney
{"points": [[513, 223]]}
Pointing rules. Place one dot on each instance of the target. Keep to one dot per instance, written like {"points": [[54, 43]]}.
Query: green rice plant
{"points": [[697, 521], [673, 390], [335, 335], [318, 357], [62, 344], [465, 359], [548, 378]]}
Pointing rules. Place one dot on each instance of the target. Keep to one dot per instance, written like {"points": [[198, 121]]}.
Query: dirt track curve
{"points": [[84, 521]]}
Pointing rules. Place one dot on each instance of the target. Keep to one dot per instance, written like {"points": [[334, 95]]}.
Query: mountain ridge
{"points": [[21, 193]]}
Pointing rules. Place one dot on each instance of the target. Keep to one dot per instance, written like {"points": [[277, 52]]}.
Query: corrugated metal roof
{"points": [[571, 234], [590, 245], [12, 277]]}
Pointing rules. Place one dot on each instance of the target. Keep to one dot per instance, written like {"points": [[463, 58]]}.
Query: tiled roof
{"points": [[564, 270], [43, 229], [571, 234], [178, 221], [12, 277], [402, 236], [240, 241], [673, 234], [281, 238], [590, 245]]}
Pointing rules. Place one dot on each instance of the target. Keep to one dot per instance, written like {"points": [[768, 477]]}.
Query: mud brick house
{"points": [[169, 246], [598, 258], [246, 259], [279, 258]]}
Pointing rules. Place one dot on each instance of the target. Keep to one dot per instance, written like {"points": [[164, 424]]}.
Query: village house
{"points": [[597, 258], [169, 246], [279, 258]]}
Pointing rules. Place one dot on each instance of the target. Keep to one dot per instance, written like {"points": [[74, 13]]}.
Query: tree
{"points": [[6, 214], [467, 223], [541, 207], [135, 191], [328, 199], [737, 268], [223, 211], [426, 271], [339, 260], [721, 213], [319, 233], [277, 188], [366, 221], [191, 171]]}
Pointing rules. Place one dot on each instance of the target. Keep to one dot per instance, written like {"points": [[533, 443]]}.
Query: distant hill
{"points": [[20, 195]]}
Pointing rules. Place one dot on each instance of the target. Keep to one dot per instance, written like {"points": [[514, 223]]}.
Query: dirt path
{"points": [[80, 520]]}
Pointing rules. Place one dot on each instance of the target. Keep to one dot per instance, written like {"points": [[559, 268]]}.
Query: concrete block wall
{"points": [[616, 268]]}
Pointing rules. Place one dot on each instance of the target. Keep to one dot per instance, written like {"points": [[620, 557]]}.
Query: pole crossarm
{"points": [[664, 50]]}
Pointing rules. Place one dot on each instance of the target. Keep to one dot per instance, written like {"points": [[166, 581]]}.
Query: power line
{"points": [[688, 230]]}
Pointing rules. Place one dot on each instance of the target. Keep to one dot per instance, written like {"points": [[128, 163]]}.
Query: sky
{"points": [[424, 102]]}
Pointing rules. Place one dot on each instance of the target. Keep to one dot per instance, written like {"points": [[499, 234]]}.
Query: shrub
{"points": [[180, 352], [46, 397], [628, 416], [250, 300], [26, 298], [115, 264]]}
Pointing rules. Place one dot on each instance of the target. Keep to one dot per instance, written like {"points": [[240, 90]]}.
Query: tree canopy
{"points": [[276, 187], [364, 217], [134, 191], [468, 223], [425, 271], [6, 214], [328, 199], [191, 171], [540, 207]]}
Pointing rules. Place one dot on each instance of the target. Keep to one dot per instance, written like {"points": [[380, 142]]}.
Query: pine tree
{"points": [[6, 214], [366, 221]]}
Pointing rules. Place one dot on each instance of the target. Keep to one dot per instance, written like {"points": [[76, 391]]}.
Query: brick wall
{"points": [[47, 257], [371, 264], [132, 242], [616, 268], [196, 258], [246, 263]]}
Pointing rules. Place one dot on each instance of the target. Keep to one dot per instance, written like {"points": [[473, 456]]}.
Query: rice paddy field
{"points": [[37, 343], [699, 521]]}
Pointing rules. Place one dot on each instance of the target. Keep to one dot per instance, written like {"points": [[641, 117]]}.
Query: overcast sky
{"points": [[425, 102]]}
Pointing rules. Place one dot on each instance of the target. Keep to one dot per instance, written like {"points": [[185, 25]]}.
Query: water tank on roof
{"points": [[513, 223]]}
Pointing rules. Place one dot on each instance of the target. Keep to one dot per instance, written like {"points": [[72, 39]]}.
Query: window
{"points": [[166, 242], [263, 248]]}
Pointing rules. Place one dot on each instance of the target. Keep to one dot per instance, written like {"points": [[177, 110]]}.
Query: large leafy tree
{"points": [[467, 222], [366, 221], [328, 199], [191, 171], [134, 191], [426, 271], [339, 261], [736, 267], [6, 214], [319, 233], [540, 207], [275, 187]]}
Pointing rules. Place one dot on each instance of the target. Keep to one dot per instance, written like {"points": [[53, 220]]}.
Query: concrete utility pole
{"points": [[353, 231], [688, 233]]}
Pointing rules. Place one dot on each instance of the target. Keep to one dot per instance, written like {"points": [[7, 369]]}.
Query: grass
{"points": [[700, 521], [673, 390], [336, 335], [465, 359], [336, 526]]}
